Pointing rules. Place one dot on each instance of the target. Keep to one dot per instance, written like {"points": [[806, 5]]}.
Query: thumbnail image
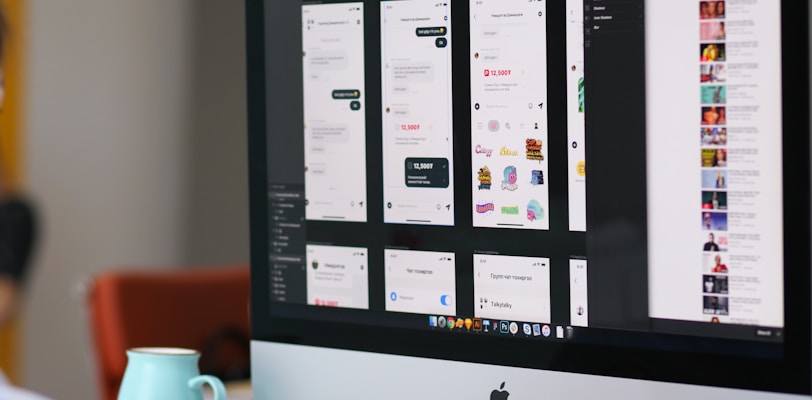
{"points": [[714, 284], [714, 115], [581, 94], [713, 136], [714, 200], [714, 158], [714, 221], [712, 9], [712, 73], [534, 210], [714, 94], [714, 30], [712, 52], [715, 305], [714, 263], [715, 242], [714, 179], [484, 177]]}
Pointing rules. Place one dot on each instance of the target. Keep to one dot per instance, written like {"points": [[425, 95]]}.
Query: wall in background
{"points": [[136, 156], [11, 116], [218, 156], [12, 134]]}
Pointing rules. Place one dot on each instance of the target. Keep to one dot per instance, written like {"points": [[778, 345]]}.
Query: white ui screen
{"points": [[421, 282], [512, 288], [337, 276], [417, 123], [714, 115], [576, 159], [334, 117], [509, 114]]}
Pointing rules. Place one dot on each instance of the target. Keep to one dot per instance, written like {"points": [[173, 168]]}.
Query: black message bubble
{"points": [[431, 31], [346, 94], [427, 172]]}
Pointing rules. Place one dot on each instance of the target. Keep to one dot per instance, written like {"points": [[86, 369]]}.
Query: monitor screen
{"points": [[616, 189]]}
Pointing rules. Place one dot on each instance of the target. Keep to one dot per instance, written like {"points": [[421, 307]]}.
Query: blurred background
{"points": [[125, 123]]}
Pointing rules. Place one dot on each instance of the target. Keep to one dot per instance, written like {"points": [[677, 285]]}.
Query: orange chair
{"points": [[202, 309]]}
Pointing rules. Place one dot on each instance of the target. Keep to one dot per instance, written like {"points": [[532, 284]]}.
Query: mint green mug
{"points": [[166, 373]]}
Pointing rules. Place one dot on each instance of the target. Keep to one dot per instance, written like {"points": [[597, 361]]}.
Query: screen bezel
{"points": [[636, 355]]}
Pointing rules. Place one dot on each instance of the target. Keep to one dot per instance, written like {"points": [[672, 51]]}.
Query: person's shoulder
{"points": [[17, 207]]}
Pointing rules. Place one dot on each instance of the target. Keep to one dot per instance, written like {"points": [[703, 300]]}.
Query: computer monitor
{"points": [[529, 198]]}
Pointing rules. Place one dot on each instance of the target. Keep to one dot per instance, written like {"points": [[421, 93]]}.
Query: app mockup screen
{"points": [[428, 168], [576, 107], [334, 116], [510, 174], [416, 100]]}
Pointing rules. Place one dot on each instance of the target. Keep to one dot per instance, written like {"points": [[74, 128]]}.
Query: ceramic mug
{"points": [[166, 373]]}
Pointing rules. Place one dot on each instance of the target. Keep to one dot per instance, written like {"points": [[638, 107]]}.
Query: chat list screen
{"points": [[417, 116], [509, 148], [512, 288], [334, 118]]}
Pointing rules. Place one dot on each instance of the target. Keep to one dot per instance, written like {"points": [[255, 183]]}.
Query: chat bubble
{"points": [[489, 56], [337, 276], [400, 111], [329, 133], [441, 42], [413, 72], [510, 287], [431, 31], [328, 60], [426, 172], [400, 89], [491, 33], [346, 94], [318, 169]]}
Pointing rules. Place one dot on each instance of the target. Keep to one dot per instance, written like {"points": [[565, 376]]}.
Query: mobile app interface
{"points": [[334, 120], [337, 276], [512, 288], [421, 282], [417, 116], [509, 114], [575, 115], [579, 307]]}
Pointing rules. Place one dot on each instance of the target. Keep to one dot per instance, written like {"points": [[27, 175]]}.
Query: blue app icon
{"points": [[536, 330], [433, 321], [393, 296], [504, 326]]}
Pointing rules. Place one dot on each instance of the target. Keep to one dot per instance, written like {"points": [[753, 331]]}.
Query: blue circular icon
{"points": [[445, 300], [393, 296]]}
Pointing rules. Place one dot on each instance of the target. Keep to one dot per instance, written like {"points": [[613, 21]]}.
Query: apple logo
{"points": [[500, 394]]}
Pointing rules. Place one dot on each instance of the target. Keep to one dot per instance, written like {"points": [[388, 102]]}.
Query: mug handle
{"points": [[215, 383]]}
